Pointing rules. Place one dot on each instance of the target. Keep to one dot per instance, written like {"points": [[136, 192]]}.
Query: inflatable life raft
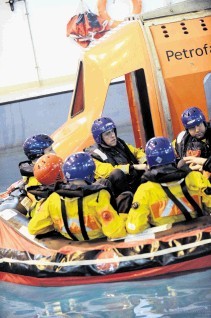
{"points": [[52, 260]]}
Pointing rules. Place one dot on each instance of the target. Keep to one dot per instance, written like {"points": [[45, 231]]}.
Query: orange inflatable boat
{"points": [[164, 59]]}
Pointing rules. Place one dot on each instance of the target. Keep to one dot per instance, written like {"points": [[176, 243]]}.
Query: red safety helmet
{"points": [[48, 169]]}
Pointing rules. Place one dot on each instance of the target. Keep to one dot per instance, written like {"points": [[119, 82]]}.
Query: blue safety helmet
{"points": [[100, 126], [159, 152], [34, 146], [79, 166], [192, 117]]}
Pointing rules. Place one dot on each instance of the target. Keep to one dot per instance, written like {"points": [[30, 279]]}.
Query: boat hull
{"points": [[192, 265]]}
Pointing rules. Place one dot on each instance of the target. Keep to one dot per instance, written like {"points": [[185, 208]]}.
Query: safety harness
{"points": [[187, 195], [79, 192], [81, 220]]}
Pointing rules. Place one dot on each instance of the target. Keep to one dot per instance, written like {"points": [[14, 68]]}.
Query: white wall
{"points": [[36, 57]]}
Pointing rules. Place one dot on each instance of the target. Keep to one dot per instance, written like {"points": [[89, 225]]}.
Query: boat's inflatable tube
{"points": [[55, 261]]}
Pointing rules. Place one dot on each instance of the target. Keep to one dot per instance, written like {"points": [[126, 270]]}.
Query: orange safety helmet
{"points": [[48, 169]]}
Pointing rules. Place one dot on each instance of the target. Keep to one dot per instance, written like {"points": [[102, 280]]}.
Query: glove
{"points": [[196, 160], [140, 166], [195, 163]]}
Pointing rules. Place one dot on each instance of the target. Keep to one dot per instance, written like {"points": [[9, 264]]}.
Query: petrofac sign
{"points": [[186, 54]]}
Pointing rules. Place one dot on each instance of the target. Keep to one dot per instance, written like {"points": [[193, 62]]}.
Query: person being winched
{"points": [[167, 194], [79, 209]]}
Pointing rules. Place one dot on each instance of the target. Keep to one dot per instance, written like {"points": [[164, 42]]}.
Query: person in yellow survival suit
{"points": [[167, 194], [121, 163], [34, 147], [17, 195], [47, 171], [79, 209]]}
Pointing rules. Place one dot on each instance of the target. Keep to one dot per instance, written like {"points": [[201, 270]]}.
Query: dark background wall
{"points": [[23, 119]]}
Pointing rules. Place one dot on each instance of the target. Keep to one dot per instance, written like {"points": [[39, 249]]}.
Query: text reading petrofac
{"points": [[187, 54]]}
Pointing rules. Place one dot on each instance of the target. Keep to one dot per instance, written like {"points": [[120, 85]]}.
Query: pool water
{"points": [[181, 296]]}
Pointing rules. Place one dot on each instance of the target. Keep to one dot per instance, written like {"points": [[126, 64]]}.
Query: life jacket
{"points": [[164, 174], [118, 155], [41, 191], [26, 168], [71, 190], [186, 145]]}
